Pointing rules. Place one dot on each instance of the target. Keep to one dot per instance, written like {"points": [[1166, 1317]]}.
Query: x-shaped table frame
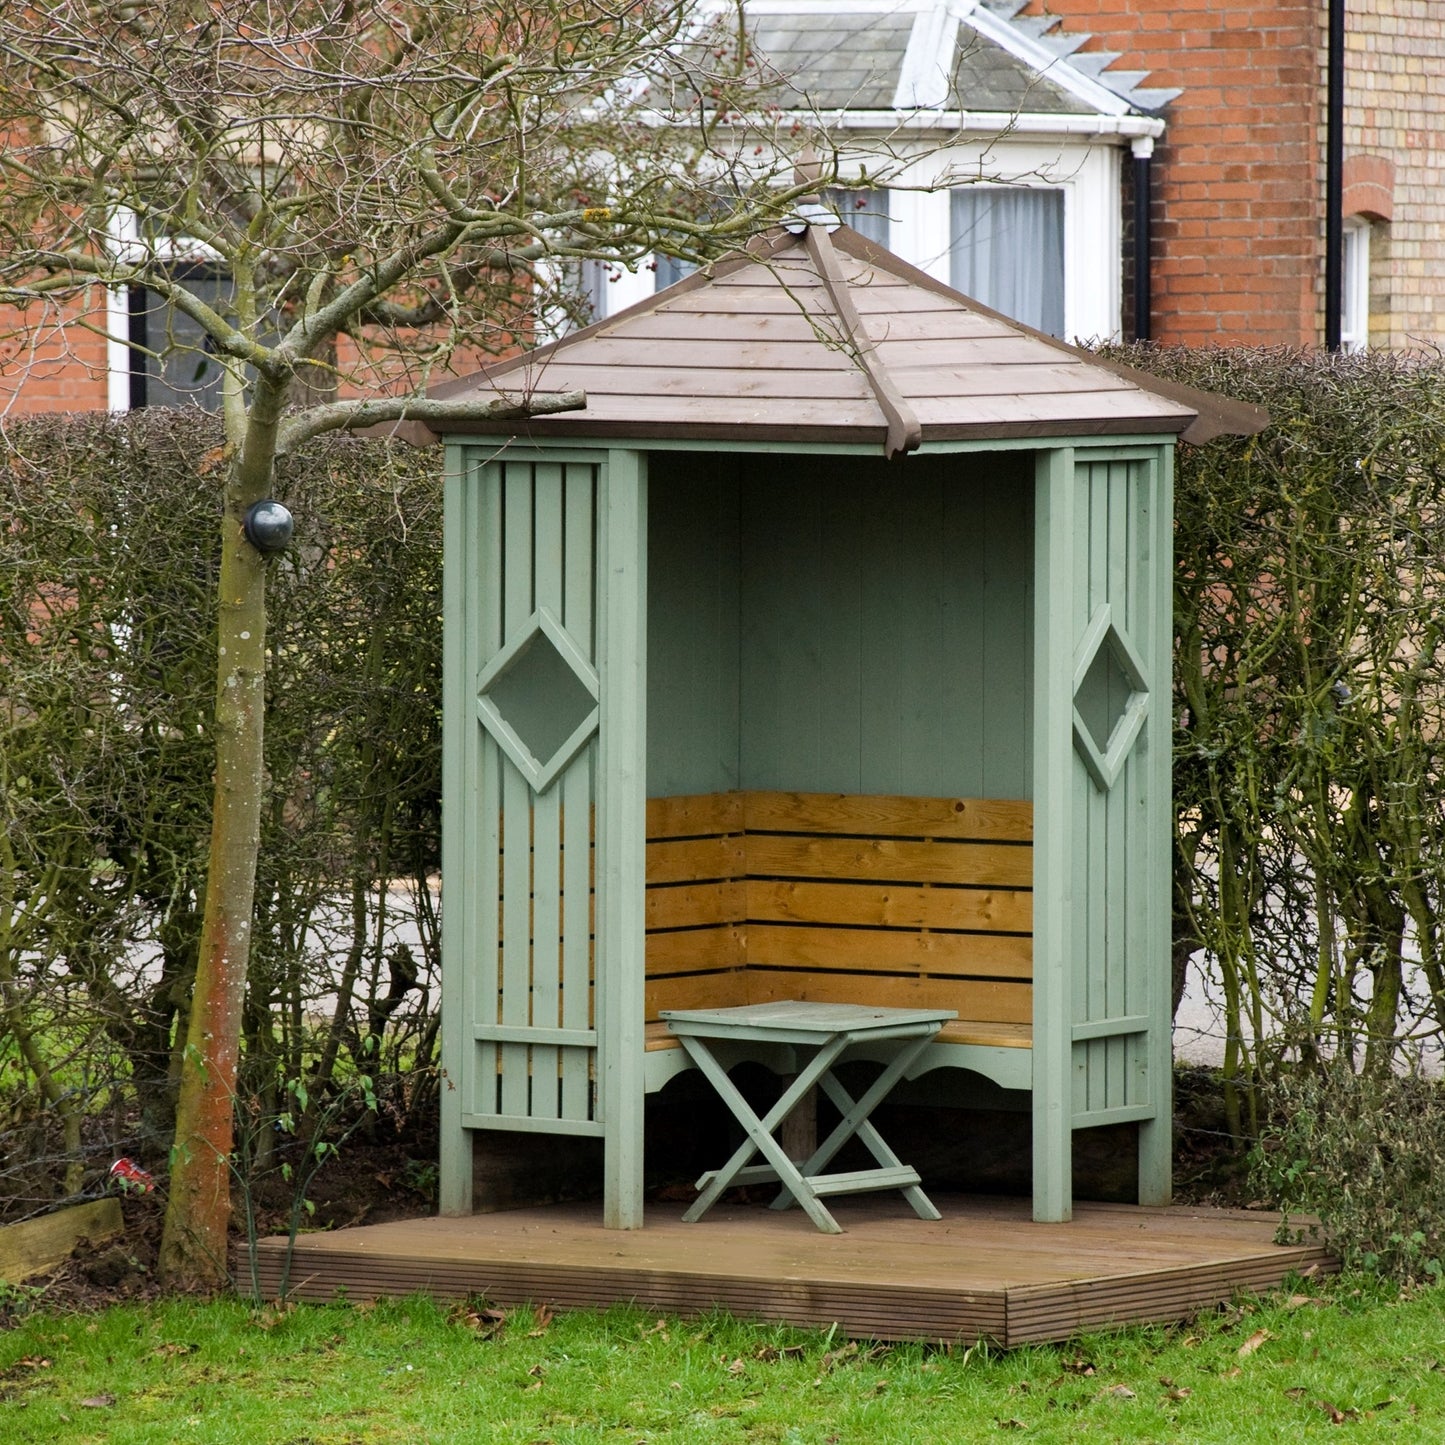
{"points": [[831, 1030]]}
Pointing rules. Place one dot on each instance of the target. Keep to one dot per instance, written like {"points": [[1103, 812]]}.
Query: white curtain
{"points": [[1007, 251], [865, 211]]}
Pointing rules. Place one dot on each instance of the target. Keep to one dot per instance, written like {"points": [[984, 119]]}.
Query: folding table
{"points": [[830, 1030]]}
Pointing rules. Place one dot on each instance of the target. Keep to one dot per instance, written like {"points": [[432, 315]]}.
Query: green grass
{"points": [[1356, 1364]]}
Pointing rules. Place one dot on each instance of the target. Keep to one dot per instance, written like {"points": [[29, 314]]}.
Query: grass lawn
{"points": [[1337, 1360]]}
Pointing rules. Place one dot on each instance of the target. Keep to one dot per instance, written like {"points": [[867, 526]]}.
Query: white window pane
{"points": [[1355, 283], [186, 371], [1007, 251]]}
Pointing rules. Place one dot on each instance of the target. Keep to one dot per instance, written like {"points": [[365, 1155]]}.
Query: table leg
{"points": [[760, 1133], [855, 1121]]}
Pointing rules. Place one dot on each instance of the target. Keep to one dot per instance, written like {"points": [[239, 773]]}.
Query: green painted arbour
{"points": [[933, 563]]}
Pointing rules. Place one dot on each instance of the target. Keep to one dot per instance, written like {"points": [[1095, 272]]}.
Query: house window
{"points": [[1355, 284], [867, 212], [669, 270], [184, 370], [1006, 250]]}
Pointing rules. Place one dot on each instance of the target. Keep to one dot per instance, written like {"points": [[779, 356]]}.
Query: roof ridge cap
{"points": [[905, 433]]}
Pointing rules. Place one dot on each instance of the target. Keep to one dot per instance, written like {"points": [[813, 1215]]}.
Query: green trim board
{"points": [[1105, 447]]}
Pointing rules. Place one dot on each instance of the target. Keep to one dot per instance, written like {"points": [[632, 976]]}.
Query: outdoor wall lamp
{"points": [[267, 526]]}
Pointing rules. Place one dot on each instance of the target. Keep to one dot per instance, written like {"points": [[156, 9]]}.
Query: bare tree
{"points": [[382, 188]]}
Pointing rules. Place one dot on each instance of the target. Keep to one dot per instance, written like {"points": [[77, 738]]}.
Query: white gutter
{"points": [[984, 122]]}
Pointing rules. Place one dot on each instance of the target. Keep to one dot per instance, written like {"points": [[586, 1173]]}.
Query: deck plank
{"points": [[986, 1270]]}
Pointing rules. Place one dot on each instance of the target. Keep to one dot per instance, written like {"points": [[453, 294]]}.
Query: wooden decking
{"points": [[984, 1271]]}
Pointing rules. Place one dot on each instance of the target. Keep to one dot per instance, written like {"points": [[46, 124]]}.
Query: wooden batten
{"points": [[887, 900]]}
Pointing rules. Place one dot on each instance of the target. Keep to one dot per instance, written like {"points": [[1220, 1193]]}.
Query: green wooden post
{"points": [[1054, 490], [1156, 1135], [622, 830], [458, 783]]}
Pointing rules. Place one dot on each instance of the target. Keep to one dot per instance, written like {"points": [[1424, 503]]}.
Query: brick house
{"points": [[1020, 136], [1239, 174], [1221, 104]]}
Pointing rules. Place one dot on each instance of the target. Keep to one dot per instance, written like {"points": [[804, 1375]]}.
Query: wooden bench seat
{"points": [[891, 901]]}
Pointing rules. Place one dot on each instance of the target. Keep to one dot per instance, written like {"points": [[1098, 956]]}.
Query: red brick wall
{"points": [[47, 363], [1238, 179]]}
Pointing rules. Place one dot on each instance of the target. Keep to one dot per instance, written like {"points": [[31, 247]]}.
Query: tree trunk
{"points": [[193, 1246]]}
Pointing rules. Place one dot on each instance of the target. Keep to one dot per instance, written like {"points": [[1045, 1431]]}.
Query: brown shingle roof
{"points": [[819, 337]]}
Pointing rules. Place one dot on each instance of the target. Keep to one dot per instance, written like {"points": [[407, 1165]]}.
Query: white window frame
{"points": [[1355, 285], [1086, 168], [124, 241]]}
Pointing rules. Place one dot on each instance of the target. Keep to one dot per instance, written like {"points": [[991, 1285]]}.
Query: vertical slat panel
{"points": [[1118, 801], [548, 560], [622, 829], [488, 882], [918, 648], [967, 696], [1088, 820], [843, 668], [1155, 1137], [1002, 555], [1138, 959], [462, 951], [576, 789], [1055, 942], [880, 741], [517, 605]]}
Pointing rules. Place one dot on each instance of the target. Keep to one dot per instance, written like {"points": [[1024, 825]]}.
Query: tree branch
{"points": [[351, 415]]}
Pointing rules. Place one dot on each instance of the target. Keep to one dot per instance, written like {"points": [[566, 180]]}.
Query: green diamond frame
{"points": [[1105, 766], [540, 773]]}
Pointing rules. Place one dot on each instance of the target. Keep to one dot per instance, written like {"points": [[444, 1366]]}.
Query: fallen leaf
{"points": [[97, 1402], [1078, 1367], [1011, 1424], [483, 1321], [543, 1317], [1253, 1343], [1337, 1416], [1296, 1392], [33, 1362], [771, 1354], [1118, 1392], [880, 1387], [1192, 1341], [170, 1350], [737, 1367], [537, 1372], [1298, 1301]]}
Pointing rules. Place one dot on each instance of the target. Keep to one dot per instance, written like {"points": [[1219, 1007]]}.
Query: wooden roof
{"points": [[824, 336]]}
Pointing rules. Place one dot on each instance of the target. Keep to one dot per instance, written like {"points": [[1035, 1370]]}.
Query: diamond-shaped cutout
{"points": [[538, 699], [1111, 699]]}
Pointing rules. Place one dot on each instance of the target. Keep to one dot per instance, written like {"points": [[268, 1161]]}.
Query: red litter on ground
{"points": [[130, 1178]]}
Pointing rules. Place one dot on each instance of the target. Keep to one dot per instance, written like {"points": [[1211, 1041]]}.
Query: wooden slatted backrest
{"points": [[895, 901], [901, 901], [696, 899]]}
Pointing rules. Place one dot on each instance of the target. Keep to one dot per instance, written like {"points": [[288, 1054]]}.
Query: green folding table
{"points": [[829, 1030]]}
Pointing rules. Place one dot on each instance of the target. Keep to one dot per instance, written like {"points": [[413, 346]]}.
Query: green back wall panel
{"points": [[831, 627]]}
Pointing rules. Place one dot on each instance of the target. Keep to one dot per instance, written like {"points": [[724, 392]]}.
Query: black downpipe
{"points": [[1335, 176], [1143, 243]]}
